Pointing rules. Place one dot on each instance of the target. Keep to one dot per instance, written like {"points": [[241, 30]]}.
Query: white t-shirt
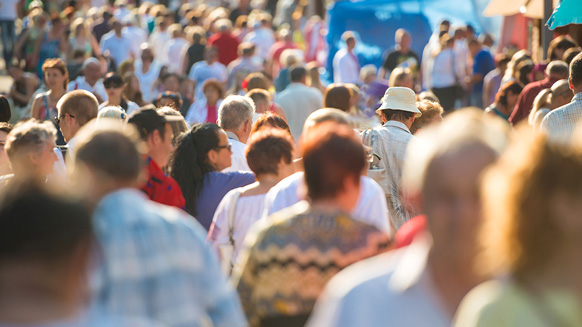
{"points": [[176, 51], [8, 9], [371, 207], [131, 107], [119, 47], [248, 210], [137, 36], [345, 68], [239, 160], [159, 41], [202, 71], [263, 38], [81, 84], [147, 80]]}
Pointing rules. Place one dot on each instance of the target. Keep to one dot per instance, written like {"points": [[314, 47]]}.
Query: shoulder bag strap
{"points": [[231, 216], [46, 107]]}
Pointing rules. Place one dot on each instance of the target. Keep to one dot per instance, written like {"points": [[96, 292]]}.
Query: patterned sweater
{"points": [[289, 258]]}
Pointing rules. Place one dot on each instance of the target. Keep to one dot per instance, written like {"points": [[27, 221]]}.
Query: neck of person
{"points": [[30, 297], [114, 101], [212, 102], [333, 204], [145, 65], [57, 92], [453, 277], [263, 184]]}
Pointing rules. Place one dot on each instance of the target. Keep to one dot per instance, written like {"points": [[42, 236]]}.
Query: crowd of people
{"points": [[181, 164]]}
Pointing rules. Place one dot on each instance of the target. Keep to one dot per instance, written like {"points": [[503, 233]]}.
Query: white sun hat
{"points": [[400, 98]]}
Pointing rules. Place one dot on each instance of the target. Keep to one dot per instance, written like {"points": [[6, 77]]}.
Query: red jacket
{"points": [[526, 99], [227, 46], [162, 188]]}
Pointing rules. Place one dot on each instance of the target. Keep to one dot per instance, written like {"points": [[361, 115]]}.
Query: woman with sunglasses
{"points": [[114, 87], [196, 164]]}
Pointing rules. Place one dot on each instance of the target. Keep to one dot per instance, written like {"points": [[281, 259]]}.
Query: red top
{"points": [[162, 188], [275, 54], [526, 99], [409, 230], [227, 47], [212, 115]]}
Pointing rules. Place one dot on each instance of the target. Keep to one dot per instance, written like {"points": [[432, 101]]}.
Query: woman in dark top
{"points": [[195, 52], [196, 165], [505, 100]]}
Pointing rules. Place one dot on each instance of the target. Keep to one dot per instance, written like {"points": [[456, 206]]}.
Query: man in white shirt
{"points": [[118, 45], [176, 49], [135, 34], [262, 37], [159, 39], [371, 206], [423, 284], [298, 100], [91, 80], [207, 69], [346, 68], [235, 117]]}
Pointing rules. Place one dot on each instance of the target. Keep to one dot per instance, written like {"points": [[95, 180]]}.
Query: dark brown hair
{"points": [[266, 149], [270, 119], [337, 96]]}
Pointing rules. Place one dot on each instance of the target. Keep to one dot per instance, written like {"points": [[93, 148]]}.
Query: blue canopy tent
{"points": [[375, 22], [566, 12]]}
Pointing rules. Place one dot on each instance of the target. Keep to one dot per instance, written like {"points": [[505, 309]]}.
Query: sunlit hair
{"points": [[459, 130], [267, 148], [178, 126], [398, 75], [58, 64], [429, 110], [542, 100], [521, 232], [269, 120], [28, 137]]}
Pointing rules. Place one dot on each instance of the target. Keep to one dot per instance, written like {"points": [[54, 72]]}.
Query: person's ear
{"points": [[570, 83], [34, 158], [212, 157]]}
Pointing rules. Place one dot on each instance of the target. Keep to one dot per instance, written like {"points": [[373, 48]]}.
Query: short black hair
{"points": [[576, 70], [38, 226], [5, 112], [297, 72]]}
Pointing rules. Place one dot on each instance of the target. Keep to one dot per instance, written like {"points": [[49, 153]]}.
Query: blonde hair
{"points": [[520, 233], [27, 137]]}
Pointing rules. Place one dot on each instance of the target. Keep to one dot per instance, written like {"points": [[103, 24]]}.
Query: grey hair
{"points": [[30, 136], [234, 111]]}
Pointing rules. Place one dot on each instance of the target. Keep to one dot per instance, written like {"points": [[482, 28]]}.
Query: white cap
{"points": [[400, 98], [90, 60]]}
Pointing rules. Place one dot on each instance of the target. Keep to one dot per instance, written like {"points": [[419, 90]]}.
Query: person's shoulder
{"points": [[231, 176], [488, 303]]}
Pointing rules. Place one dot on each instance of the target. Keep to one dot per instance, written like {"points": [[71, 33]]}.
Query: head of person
{"points": [[337, 96], [5, 112], [246, 49], [131, 82], [557, 69], [297, 73], [223, 25], [561, 94], [91, 70], [235, 115], [399, 104], [474, 46], [270, 120], [542, 100], [532, 201], [368, 74], [559, 46], [46, 244], [116, 26], [261, 98], [333, 160], [524, 72], [30, 149], [108, 157], [126, 66], [428, 95], [156, 132], [575, 78], [441, 176], [112, 112], [290, 57], [432, 113], [55, 73], [324, 115], [175, 30], [76, 108], [350, 39], [204, 149], [517, 58], [171, 82], [570, 54], [487, 39], [501, 62], [508, 94], [255, 81], [403, 39], [178, 125], [401, 77], [5, 129], [114, 86], [211, 54], [147, 53], [168, 99], [270, 153], [213, 91]]}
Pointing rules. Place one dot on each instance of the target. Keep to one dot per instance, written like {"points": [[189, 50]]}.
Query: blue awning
{"points": [[566, 12]]}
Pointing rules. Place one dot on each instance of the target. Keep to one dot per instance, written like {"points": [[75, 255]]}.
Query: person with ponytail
{"points": [[196, 164]]}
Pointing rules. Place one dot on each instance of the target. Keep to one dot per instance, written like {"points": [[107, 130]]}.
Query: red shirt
{"points": [[162, 188], [275, 54], [409, 230], [227, 47], [212, 115], [526, 99]]}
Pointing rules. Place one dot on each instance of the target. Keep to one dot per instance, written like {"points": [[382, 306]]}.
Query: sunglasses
{"points": [[58, 118], [228, 146], [112, 85]]}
